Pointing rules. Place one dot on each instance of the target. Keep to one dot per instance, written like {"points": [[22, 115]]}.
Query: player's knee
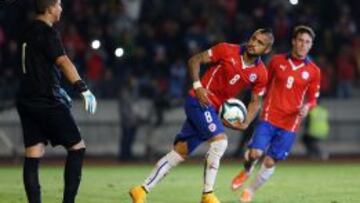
{"points": [[174, 158], [253, 154], [269, 162], [218, 147], [181, 149], [35, 151], [216, 151], [77, 146], [221, 136]]}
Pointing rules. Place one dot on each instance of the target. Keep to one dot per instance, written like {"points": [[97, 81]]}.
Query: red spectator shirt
{"points": [[229, 74], [291, 81]]}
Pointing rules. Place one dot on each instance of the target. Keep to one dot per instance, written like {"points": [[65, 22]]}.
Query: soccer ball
{"points": [[233, 110]]}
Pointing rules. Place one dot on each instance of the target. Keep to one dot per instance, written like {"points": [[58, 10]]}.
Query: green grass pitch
{"points": [[291, 183]]}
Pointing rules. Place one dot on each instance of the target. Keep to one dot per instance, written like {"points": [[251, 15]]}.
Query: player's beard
{"points": [[250, 55]]}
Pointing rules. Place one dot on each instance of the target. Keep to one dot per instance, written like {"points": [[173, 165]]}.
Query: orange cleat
{"points": [[246, 196], [239, 180]]}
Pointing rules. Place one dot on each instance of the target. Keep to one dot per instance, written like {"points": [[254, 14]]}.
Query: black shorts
{"points": [[55, 124]]}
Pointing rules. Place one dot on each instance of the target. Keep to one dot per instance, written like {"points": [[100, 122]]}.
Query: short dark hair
{"points": [[267, 31], [300, 29], [42, 5]]}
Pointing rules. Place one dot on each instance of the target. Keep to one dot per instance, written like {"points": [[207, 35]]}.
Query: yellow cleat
{"points": [[209, 198], [138, 194], [246, 196]]}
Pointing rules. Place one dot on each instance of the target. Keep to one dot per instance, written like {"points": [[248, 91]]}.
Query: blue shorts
{"points": [[276, 141], [201, 124]]}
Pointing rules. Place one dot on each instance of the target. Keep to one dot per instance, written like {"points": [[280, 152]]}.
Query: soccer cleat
{"points": [[138, 194], [209, 198], [246, 196], [239, 180]]}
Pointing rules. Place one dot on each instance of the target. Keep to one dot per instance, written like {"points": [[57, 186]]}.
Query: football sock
{"points": [[263, 175], [212, 163], [162, 167], [31, 179], [72, 174]]}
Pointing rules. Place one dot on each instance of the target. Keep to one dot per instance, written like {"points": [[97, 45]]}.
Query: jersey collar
{"points": [[294, 67], [242, 52], [306, 60]]}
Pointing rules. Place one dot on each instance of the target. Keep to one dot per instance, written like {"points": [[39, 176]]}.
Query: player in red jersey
{"points": [[294, 83], [233, 68]]}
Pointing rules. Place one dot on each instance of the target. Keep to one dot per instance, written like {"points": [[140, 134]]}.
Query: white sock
{"points": [[162, 168], [261, 178], [212, 163]]}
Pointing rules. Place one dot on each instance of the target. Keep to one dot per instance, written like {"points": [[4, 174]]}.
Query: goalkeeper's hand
{"points": [[90, 101]]}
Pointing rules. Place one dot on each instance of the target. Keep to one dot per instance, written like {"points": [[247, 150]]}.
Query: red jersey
{"points": [[229, 74], [290, 82]]}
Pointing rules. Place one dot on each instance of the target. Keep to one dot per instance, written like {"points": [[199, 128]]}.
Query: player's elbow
{"points": [[62, 61], [196, 59], [192, 61]]}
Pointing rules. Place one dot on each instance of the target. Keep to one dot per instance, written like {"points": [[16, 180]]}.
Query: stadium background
{"points": [[141, 48]]}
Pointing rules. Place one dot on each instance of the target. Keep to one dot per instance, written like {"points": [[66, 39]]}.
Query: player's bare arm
{"points": [[194, 70], [312, 93], [72, 75], [252, 110], [68, 69], [229, 125]]}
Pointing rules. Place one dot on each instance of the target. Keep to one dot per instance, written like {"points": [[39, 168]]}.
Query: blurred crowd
{"points": [[143, 45]]}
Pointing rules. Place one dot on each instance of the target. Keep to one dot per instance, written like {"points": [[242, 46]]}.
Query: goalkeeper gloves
{"points": [[90, 101], [89, 98]]}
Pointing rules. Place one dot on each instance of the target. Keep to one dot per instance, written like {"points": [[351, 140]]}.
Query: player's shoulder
{"points": [[228, 46], [314, 66], [279, 57], [261, 67], [40, 34], [41, 30]]}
